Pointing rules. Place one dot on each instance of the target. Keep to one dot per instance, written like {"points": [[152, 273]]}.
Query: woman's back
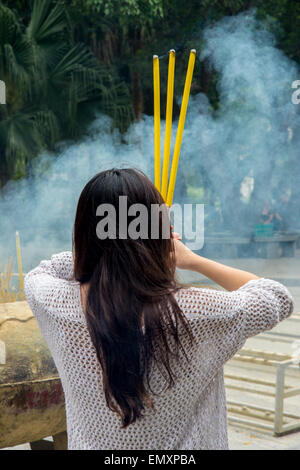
{"points": [[189, 415]]}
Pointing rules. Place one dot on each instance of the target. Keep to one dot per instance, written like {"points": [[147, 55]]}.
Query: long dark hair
{"points": [[131, 312]]}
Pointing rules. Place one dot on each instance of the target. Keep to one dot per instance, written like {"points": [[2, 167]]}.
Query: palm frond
{"points": [[16, 58], [9, 26], [78, 57], [46, 21], [22, 139], [47, 125], [13, 69], [47, 32]]}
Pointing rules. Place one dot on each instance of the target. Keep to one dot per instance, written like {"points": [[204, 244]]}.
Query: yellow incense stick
{"points": [[184, 105], [19, 258], [168, 131], [157, 159]]}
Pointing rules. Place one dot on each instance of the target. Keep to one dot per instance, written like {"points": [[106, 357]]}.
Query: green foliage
{"points": [[61, 59], [140, 9], [50, 79]]}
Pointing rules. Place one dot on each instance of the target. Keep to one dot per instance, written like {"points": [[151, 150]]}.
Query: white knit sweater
{"points": [[192, 414]]}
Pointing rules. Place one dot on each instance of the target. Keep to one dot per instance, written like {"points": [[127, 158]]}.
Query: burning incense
{"points": [[169, 113], [157, 159], [5, 294], [19, 258], [184, 105]]}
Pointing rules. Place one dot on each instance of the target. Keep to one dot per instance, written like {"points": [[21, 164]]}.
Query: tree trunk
{"points": [[137, 95]]}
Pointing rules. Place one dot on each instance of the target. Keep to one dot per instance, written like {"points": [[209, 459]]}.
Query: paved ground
{"points": [[287, 271], [244, 439]]}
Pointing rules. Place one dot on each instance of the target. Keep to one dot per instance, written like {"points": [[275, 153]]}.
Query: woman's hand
{"points": [[183, 255], [227, 277], [176, 236]]}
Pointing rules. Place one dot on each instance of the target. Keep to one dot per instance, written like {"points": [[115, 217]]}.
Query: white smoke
{"points": [[255, 121], [43, 206]]}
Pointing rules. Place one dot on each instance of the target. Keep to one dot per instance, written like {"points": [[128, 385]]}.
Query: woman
{"points": [[140, 357]]}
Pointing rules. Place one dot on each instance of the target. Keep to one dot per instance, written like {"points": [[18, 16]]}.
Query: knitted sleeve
{"points": [[39, 282], [224, 320]]}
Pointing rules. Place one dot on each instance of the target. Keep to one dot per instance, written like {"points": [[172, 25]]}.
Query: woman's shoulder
{"points": [[60, 266], [184, 293], [51, 280]]}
